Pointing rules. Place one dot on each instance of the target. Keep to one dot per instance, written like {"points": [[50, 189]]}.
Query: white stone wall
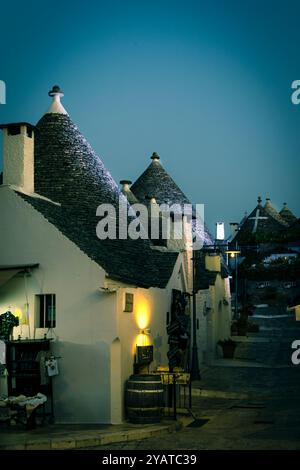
{"points": [[202, 303], [213, 313], [95, 338], [86, 317], [150, 312], [18, 160]]}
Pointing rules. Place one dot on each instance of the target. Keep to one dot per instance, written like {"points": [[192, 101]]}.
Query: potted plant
{"points": [[228, 346]]}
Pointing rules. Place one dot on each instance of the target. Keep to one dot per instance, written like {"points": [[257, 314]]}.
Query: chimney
{"points": [[125, 185], [18, 155], [233, 228], [151, 199]]}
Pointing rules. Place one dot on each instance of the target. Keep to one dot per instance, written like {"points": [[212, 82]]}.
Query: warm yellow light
{"points": [[232, 253], [19, 314], [143, 340], [142, 314], [22, 315]]}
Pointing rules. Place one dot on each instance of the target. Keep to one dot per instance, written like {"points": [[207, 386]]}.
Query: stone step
{"points": [[284, 335], [267, 352], [284, 328], [279, 322]]}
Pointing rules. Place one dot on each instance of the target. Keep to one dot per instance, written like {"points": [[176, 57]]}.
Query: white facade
{"points": [[213, 306], [94, 337]]}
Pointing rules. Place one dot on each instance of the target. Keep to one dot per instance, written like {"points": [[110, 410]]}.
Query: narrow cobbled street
{"points": [[268, 420]]}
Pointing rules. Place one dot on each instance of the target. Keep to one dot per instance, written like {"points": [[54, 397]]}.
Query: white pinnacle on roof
{"points": [[56, 106]]}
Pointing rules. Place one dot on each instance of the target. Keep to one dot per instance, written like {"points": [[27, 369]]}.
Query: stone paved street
{"points": [[270, 420]]}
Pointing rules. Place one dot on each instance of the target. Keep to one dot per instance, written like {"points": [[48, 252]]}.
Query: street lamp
{"points": [[195, 372], [234, 254]]}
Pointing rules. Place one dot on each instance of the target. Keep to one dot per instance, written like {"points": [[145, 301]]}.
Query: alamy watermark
{"points": [[296, 354], [295, 96], [2, 92], [182, 223]]}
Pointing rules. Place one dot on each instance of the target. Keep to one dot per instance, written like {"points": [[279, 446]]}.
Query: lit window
{"points": [[128, 302], [46, 311]]}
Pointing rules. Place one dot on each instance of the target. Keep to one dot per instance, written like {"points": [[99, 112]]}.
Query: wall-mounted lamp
{"points": [[108, 290], [233, 253], [146, 331]]}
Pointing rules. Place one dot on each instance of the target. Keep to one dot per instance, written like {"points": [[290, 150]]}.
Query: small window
{"points": [[128, 302], [168, 318], [197, 324], [46, 311]]}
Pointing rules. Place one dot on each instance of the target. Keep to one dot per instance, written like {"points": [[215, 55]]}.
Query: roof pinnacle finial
{"points": [[56, 91], [259, 200], [56, 106], [155, 156]]}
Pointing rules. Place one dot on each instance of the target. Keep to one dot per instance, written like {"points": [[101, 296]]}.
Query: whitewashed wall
{"points": [[86, 317], [214, 316], [95, 338], [150, 311]]}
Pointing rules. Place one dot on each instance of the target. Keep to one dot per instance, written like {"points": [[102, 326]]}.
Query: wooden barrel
{"points": [[144, 399]]}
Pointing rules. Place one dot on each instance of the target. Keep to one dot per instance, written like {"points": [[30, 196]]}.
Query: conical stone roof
{"points": [[287, 215], [156, 182], [69, 172], [262, 223], [274, 213], [67, 169]]}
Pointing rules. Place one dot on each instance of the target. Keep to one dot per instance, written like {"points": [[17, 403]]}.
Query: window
{"points": [[128, 302], [46, 311]]}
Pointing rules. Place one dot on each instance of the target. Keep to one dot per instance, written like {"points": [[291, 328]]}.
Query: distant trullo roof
{"points": [[156, 182], [262, 222], [68, 171], [274, 213], [287, 215]]}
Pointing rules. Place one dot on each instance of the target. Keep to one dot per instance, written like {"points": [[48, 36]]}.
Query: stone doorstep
{"points": [[93, 439]]}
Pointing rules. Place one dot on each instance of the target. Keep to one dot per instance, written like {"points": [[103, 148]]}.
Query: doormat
{"points": [[198, 423]]}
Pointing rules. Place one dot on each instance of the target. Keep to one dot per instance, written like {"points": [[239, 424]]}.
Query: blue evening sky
{"points": [[206, 84]]}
